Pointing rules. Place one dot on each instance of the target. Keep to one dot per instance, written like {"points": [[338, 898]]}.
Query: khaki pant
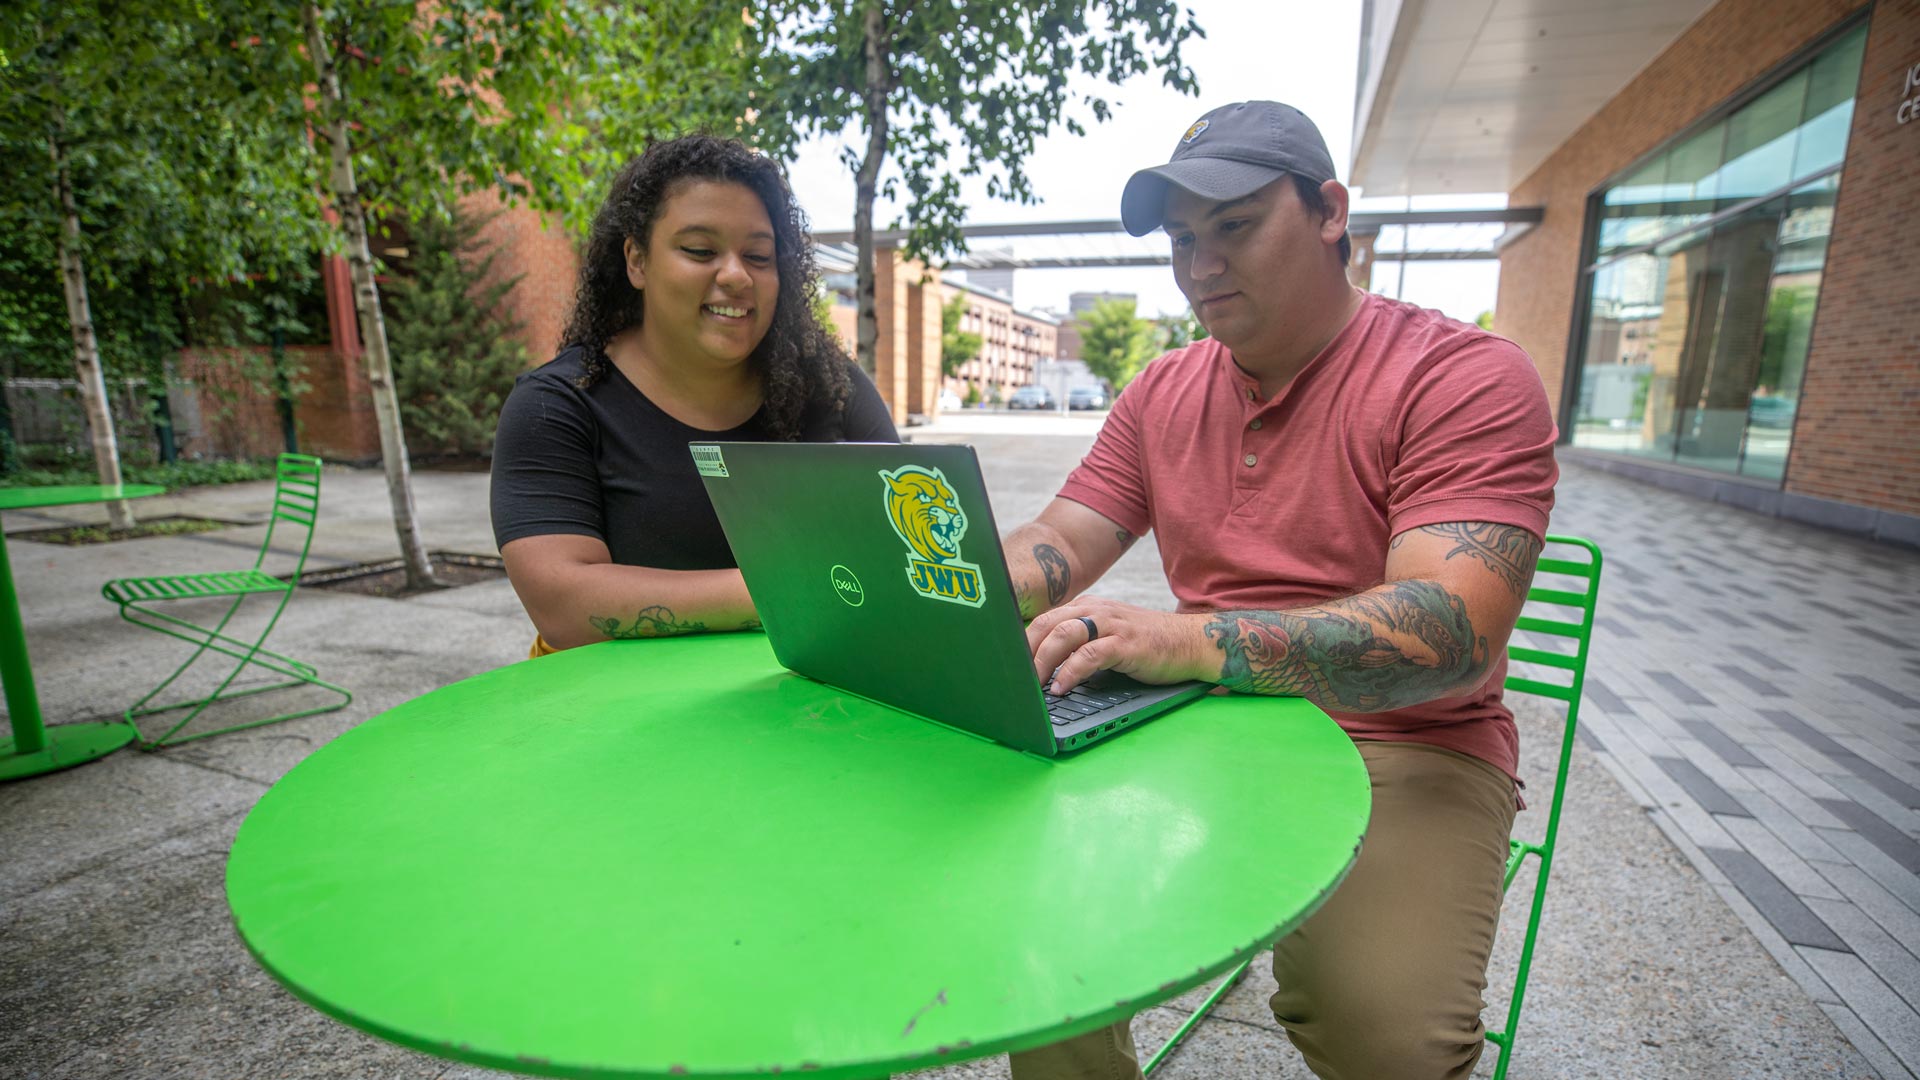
{"points": [[1385, 980]]}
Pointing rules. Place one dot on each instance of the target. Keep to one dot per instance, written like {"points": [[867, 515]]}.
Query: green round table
{"points": [[674, 858], [36, 748]]}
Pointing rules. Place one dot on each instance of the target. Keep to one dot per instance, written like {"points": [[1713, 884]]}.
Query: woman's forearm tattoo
{"points": [[655, 621]]}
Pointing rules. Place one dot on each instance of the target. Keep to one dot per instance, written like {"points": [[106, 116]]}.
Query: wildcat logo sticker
{"points": [[927, 517], [1194, 131]]}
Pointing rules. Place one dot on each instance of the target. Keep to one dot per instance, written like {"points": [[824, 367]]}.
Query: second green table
{"points": [[35, 748]]}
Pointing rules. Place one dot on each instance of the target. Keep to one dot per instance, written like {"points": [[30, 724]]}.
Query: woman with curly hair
{"points": [[692, 322]]}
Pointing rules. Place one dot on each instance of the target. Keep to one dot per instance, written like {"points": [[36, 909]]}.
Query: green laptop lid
{"points": [[877, 568]]}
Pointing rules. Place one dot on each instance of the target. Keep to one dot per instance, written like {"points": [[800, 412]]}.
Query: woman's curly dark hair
{"points": [[798, 360]]}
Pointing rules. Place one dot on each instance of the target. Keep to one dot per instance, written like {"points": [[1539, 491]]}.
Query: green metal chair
{"points": [[1582, 565], [296, 504]]}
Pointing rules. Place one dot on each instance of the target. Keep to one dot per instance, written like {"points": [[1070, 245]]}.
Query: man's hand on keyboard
{"points": [[1151, 646]]}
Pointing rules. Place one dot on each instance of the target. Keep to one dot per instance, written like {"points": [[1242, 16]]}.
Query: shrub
{"points": [[455, 345]]}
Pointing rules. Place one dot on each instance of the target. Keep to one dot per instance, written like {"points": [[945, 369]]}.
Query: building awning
{"points": [[1469, 96], [1054, 245]]}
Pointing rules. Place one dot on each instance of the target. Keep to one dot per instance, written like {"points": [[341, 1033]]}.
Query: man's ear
{"points": [[1334, 194], [637, 263]]}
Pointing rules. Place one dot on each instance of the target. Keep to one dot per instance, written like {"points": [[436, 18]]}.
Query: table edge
{"points": [[852, 1070]]}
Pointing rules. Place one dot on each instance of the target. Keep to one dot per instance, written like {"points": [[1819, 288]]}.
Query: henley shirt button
{"points": [[1255, 425], [1250, 459], [1249, 395]]}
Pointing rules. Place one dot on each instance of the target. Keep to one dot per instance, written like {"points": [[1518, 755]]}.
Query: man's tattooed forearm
{"points": [[655, 621], [1507, 550], [1401, 644], [1059, 574]]}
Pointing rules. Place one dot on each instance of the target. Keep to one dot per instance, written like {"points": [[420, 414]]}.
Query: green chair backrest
{"points": [[1567, 585], [296, 503], [1573, 587]]}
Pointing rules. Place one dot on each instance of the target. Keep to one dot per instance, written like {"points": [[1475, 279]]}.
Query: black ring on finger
{"points": [[1092, 630]]}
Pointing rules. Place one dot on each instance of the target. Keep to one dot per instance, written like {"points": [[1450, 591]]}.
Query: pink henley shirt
{"points": [[1406, 418]]}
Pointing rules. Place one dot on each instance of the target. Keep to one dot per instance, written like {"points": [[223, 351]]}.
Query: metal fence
{"points": [[49, 424]]}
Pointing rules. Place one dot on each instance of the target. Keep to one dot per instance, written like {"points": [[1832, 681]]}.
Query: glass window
{"points": [[1693, 178], [1699, 318], [1632, 213], [1792, 293], [1829, 112], [1726, 297], [1626, 397], [1760, 142]]}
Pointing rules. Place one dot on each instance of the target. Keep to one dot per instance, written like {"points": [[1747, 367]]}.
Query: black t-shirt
{"points": [[607, 462]]}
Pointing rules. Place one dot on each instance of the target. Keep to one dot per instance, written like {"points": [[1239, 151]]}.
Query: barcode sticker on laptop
{"points": [[708, 460]]}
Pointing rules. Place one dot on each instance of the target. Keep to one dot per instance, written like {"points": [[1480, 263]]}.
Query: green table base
{"points": [[672, 858], [34, 749], [67, 745]]}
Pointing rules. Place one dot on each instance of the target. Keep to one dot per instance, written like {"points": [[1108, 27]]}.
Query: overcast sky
{"points": [[1304, 55]]}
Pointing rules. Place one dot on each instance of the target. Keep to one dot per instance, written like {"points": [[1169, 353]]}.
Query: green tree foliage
{"points": [[823, 312], [957, 346], [1784, 339], [648, 71], [944, 90], [417, 105], [456, 349], [414, 107], [1115, 342], [1178, 331], [1484, 320], [138, 166]]}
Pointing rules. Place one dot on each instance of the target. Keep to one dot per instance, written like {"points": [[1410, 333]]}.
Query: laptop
{"points": [[876, 568]]}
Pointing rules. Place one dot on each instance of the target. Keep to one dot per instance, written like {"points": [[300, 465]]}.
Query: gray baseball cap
{"points": [[1234, 150]]}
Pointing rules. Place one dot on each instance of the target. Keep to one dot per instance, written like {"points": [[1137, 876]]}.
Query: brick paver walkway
{"points": [[1756, 685]]}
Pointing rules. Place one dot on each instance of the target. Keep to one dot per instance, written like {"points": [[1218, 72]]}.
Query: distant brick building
{"points": [[1013, 342]]}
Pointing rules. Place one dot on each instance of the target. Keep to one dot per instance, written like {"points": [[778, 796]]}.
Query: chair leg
{"points": [[1504, 1038], [205, 640], [247, 654], [1199, 1015]]}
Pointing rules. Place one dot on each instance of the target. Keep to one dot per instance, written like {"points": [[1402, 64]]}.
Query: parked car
{"points": [[1031, 397], [1768, 411], [949, 401], [1086, 397]]}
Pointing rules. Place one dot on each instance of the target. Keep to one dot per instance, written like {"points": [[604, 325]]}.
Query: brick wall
{"points": [[1734, 43], [908, 350], [1857, 438], [891, 278], [236, 410], [539, 247], [335, 415], [923, 345]]}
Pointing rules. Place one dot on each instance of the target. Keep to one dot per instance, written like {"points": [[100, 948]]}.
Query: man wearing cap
{"points": [[1349, 495]]}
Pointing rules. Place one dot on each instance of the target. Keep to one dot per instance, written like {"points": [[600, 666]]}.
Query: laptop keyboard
{"points": [[1081, 703]]}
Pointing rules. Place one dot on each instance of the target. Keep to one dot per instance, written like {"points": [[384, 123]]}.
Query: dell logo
{"points": [[846, 586]]}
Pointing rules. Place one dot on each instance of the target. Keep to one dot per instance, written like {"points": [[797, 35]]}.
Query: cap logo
{"points": [[1194, 131]]}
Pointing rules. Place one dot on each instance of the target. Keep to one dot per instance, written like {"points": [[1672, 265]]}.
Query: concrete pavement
{"points": [[117, 957]]}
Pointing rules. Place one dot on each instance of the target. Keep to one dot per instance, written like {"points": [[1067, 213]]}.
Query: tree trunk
{"points": [[86, 348], [366, 303], [878, 82]]}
